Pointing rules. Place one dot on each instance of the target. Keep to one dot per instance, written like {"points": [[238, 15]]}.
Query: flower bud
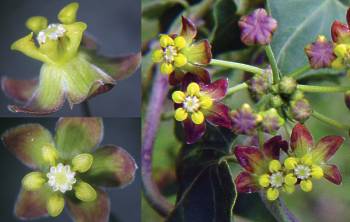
{"points": [[85, 192], [339, 31], [300, 109], [271, 120], [298, 95], [257, 28], [244, 120], [259, 84], [287, 85], [320, 53], [276, 101], [82, 162]]}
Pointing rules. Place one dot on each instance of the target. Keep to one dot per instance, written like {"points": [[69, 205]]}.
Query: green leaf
{"points": [[299, 23], [224, 35], [155, 8], [206, 188]]}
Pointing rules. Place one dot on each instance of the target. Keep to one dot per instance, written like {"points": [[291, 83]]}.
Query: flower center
{"points": [[53, 32], [61, 178], [276, 179], [191, 104], [169, 53], [302, 172]]}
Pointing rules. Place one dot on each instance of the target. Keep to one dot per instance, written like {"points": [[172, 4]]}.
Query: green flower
{"points": [[69, 70], [67, 169]]}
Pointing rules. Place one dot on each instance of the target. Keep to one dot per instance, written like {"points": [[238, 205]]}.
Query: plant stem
{"points": [[237, 65], [261, 138], [278, 209], [299, 71], [323, 89], [154, 110], [328, 120], [273, 63], [236, 88], [86, 108]]}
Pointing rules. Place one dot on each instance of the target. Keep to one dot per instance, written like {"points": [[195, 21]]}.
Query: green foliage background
{"points": [[300, 21]]}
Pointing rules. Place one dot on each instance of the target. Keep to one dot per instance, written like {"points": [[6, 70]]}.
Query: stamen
{"points": [[191, 104], [276, 179], [61, 178], [169, 54], [302, 172], [53, 32]]}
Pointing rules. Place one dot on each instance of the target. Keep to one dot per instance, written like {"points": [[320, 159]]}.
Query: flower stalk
{"points": [[237, 65], [323, 89], [299, 71], [236, 88], [150, 189], [329, 121]]}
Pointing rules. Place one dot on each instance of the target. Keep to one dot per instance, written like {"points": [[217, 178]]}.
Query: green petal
{"points": [[112, 166], [26, 141], [48, 97], [120, 67], [31, 204], [95, 211], [74, 32], [198, 53], [77, 135], [80, 77]]}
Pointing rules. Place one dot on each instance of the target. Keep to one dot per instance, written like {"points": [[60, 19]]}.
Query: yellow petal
{"points": [[306, 185], [272, 194], [180, 60], [180, 114], [193, 89], [180, 42], [274, 166], [55, 204], [157, 55], [166, 68], [289, 188], [206, 102], [178, 97], [33, 181], [264, 180], [290, 163], [165, 41], [36, 23], [290, 179], [82, 162], [306, 159], [316, 172], [68, 14], [85, 192], [197, 117]]}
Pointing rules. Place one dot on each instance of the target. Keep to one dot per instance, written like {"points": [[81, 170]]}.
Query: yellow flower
{"points": [[193, 102]]}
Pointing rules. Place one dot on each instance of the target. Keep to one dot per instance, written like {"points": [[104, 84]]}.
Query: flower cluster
{"points": [[304, 161], [71, 67], [67, 169]]}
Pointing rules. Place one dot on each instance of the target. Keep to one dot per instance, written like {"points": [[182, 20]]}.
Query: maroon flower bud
{"points": [[301, 109], [339, 30], [271, 120], [320, 53], [245, 120], [259, 84], [257, 28]]}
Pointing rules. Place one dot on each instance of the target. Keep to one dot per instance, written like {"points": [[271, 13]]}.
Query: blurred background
{"points": [[114, 23], [125, 202], [327, 202]]}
